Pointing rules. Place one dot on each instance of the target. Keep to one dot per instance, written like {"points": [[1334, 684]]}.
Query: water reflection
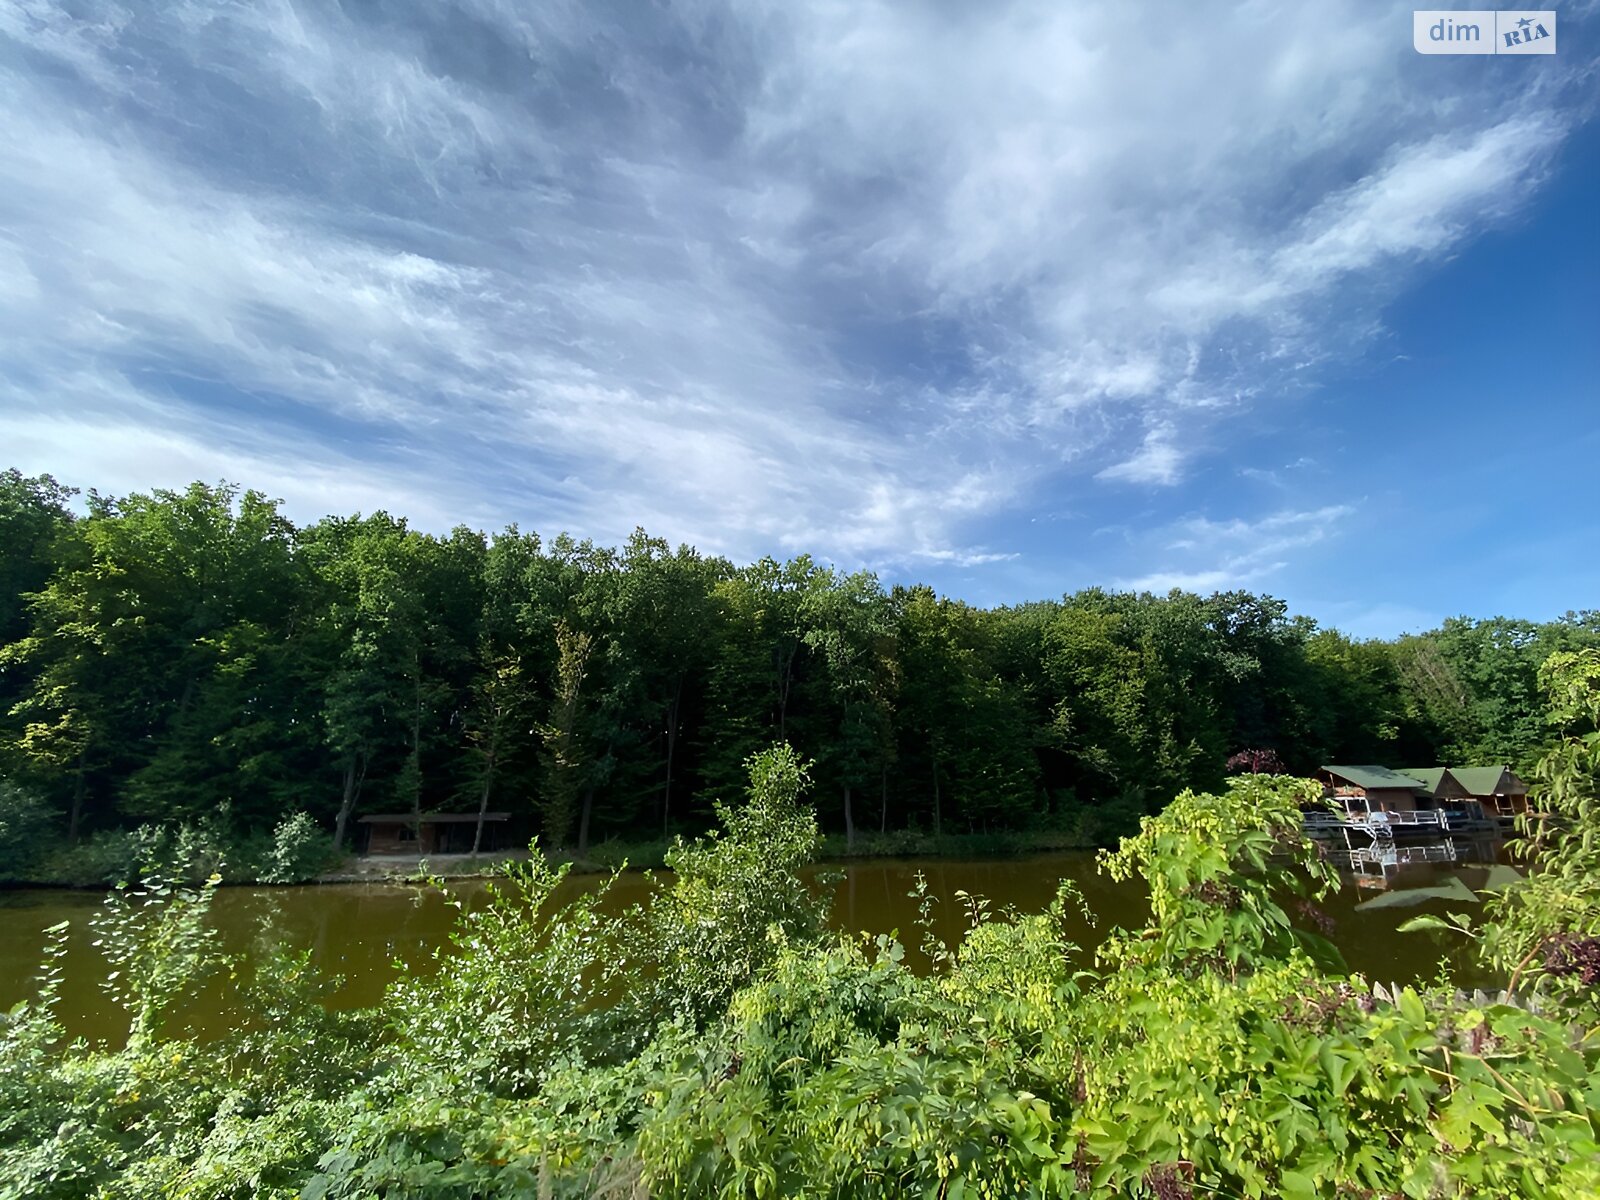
{"points": [[362, 933], [1383, 865]]}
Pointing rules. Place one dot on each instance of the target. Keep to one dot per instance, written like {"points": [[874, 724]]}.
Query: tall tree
{"points": [[368, 631], [849, 627], [33, 518], [663, 608], [166, 623], [966, 727], [568, 759]]}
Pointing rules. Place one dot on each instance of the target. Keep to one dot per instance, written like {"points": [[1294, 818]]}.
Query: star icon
{"points": [[1524, 23]]}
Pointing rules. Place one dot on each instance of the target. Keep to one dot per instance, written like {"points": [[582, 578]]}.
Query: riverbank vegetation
{"points": [[717, 1041], [194, 660]]}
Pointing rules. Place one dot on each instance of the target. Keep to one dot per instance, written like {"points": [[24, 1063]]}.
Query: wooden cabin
{"points": [[431, 833], [1443, 787], [1363, 789], [1498, 789], [1462, 810]]}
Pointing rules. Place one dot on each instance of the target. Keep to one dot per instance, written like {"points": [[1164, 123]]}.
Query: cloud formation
{"points": [[1226, 554], [848, 278]]}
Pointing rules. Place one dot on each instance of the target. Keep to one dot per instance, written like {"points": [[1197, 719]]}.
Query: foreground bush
{"points": [[715, 1042]]}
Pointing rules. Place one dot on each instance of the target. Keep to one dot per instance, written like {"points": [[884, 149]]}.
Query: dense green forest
{"points": [[169, 654], [717, 1041]]}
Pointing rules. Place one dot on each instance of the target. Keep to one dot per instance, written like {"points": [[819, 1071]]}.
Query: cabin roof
{"points": [[1490, 781], [431, 818], [1371, 776], [1431, 777]]}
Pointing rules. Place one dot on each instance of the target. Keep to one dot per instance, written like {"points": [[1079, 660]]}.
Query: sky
{"points": [[1013, 298]]}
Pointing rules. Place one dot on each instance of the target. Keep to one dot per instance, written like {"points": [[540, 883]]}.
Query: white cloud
{"points": [[845, 278], [1236, 552], [1156, 461]]}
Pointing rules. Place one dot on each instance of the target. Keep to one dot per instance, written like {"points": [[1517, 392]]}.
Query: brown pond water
{"points": [[358, 931]]}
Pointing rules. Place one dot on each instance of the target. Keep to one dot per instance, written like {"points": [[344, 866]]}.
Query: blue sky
{"points": [[1013, 299]]}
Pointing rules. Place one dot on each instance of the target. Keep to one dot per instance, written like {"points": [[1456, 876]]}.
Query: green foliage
{"points": [[191, 852], [1206, 860], [571, 1050], [535, 979], [25, 821], [191, 684], [567, 754], [735, 899], [510, 998], [613, 855], [1546, 930], [300, 850], [159, 946], [163, 1115], [172, 652]]}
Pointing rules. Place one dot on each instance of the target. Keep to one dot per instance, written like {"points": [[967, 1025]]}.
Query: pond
{"points": [[359, 931]]}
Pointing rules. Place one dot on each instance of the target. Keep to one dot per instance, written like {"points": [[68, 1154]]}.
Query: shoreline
{"points": [[640, 856]]}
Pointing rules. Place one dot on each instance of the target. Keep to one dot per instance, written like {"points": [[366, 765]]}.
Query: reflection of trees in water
{"points": [[877, 897], [354, 932], [359, 931]]}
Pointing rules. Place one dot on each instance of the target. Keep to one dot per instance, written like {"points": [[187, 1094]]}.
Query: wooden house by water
{"points": [[431, 833], [1378, 802], [1384, 803], [1447, 794], [1373, 789], [1500, 791]]}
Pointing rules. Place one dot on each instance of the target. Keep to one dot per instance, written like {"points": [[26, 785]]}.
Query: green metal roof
{"points": [[1486, 781], [1431, 777], [1377, 777]]}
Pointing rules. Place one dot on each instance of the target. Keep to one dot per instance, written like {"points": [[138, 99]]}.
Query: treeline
{"points": [[165, 655], [714, 1039]]}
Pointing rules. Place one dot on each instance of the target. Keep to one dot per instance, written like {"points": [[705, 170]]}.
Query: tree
{"points": [[33, 517], [756, 666], [1357, 691], [1097, 677], [850, 630], [662, 610], [498, 714], [966, 726], [499, 723], [362, 630], [159, 651], [568, 761]]}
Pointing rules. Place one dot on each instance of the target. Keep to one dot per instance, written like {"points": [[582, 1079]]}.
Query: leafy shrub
{"points": [[24, 829], [160, 946], [189, 852], [300, 850], [510, 1001], [1544, 933], [107, 856], [1214, 866], [736, 897], [534, 982], [1211, 1058]]}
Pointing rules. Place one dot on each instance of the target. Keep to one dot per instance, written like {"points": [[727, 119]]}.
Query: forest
{"points": [[717, 1040], [186, 656], [179, 659]]}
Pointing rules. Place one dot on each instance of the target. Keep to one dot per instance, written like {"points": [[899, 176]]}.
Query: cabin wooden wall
{"points": [[396, 839]]}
